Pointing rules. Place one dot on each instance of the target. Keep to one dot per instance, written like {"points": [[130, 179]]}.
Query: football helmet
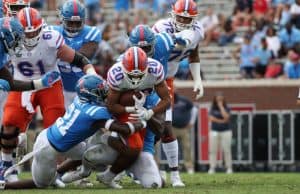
{"points": [[72, 16], [134, 65], [142, 36], [92, 89], [184, 13], [12, 34], [12, 7], [32, 23]]}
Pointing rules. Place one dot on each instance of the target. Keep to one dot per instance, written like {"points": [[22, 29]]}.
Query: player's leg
{"points": [[146, 170], [170, 143], [51, 109], [15, 120], [43, 166], [213, 150], [226, 137]]}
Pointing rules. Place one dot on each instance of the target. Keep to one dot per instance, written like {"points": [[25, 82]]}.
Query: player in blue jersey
{"points": [[82, 38], [84, 117]]}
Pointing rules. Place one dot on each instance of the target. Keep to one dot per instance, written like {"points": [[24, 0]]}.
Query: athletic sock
{"points": [[171, 151], [6, 157]]}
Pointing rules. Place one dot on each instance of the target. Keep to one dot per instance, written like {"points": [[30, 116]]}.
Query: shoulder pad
{"points": [[53, 38], [155, 68], [164, 25], [115, 76], [165, 42], [91, 34]]}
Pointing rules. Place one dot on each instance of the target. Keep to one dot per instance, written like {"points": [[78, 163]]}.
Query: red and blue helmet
{"points": [[11, 33], [72, 15], [142, 36], [92, 89]]}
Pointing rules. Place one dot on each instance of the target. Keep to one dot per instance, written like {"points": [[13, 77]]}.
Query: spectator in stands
{"points": [[93, 9], [210, 23], [289, 36], [262, 59], [246, 55], [295, 11], [273, 41], [285, 15], [228, 33], [220, 134], [240, 18], [142, 9], [184, 117], [260, 8], [121, 8], [260, 32], [292, 66], [274, 70], [244, 6], [104, 57], [280, 6]]}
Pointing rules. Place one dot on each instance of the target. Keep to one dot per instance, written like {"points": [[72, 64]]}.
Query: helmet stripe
{"points": [[27, 13], [186, 7], [75, 7], [136, 57], [142, 33]]}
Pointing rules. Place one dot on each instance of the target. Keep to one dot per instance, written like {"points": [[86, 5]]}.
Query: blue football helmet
{"points": [[142, 36], [11, 34], [92, 89], [72, 15]]}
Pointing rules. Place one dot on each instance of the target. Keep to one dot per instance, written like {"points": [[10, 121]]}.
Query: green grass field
{"points": [[244, 183]]}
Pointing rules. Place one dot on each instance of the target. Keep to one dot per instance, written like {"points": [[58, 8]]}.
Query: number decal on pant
{"points": [[27, 69]]}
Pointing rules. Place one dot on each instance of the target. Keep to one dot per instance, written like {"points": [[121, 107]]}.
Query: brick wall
{"points": [[266, 95]]}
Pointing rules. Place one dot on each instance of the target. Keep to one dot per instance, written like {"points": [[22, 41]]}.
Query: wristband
{"points": [[129, 109], [144, 123], [131, 127], [37, 84], [108, 123]]}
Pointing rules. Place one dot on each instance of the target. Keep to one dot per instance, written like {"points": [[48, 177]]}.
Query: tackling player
{"points": [[190, 32], [80, 37], [38, 54], [84, 117]]}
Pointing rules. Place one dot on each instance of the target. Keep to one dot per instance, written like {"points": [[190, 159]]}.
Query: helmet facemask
{"points": [[135, 77], [13, 9], [182, 21], [12, 42], [148, 48], [73, 26], [32, 37]]}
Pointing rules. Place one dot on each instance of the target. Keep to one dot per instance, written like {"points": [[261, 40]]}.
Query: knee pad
{"points": [[11, 139], [99, 155]]}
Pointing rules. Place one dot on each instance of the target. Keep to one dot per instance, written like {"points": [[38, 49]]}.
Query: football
{"points": [[126, 98]]}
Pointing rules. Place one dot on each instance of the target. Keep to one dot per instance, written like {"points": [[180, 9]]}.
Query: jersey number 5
{"points": [[27, 69]]}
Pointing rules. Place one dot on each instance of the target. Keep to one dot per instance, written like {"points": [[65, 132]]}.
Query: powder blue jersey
{"points": [[163, 47], [71, 74], [75, 126]]}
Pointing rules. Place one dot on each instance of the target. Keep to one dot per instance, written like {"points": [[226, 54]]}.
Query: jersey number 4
{"points": [[27, 69]]}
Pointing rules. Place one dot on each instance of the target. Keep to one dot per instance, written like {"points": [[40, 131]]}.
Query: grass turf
{"points": [[242, 183]]}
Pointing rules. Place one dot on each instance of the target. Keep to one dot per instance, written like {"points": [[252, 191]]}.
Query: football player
{"points": [[12, 7], [38, 54], [84, 117], [80, 37], [188, 33]]}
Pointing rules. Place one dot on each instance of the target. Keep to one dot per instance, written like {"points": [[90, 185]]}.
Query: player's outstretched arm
{"points": [[194, 60], [69, 55], [89, 49], [113, 104]]}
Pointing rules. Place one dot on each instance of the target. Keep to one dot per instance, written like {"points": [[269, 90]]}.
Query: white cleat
{"points": [[211, 171], [110, 183], [58, 183], [176, 180], [229, 171], [72, 176], [84, 183]]}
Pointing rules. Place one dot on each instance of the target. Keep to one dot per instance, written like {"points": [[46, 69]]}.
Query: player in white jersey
{"points": [[139, 73], [189, 33], [37, 55]]}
